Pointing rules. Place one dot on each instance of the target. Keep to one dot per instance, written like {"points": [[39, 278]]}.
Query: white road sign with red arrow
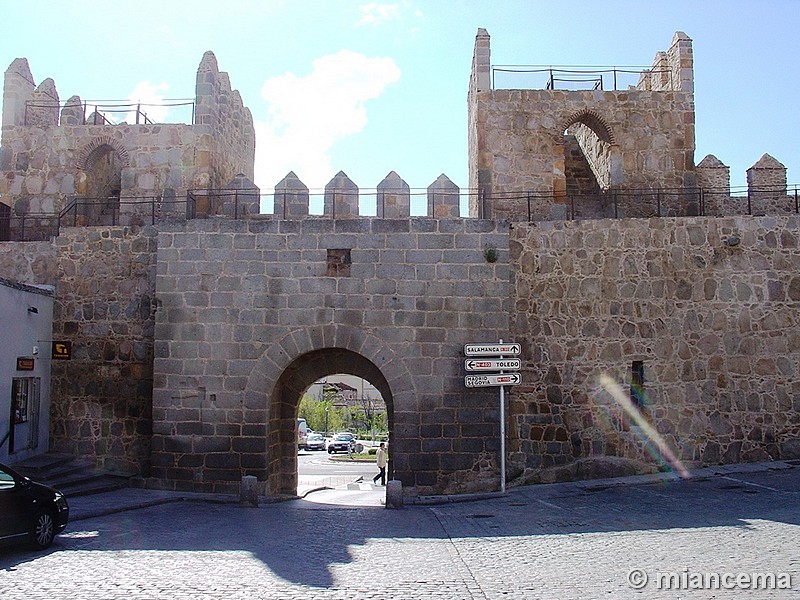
{"points": [[493, 364], [473, 381]]}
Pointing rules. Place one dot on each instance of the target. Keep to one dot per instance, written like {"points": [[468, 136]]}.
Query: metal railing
{"points": [[660, 202], [595, 77], [100, 108], [530, 206], [371, 202]]}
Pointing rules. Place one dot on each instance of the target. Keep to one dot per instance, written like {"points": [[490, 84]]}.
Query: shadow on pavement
{"points": [[301, 541]]}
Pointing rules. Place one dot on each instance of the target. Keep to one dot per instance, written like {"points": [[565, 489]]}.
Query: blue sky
{"points": [[373, 87]]}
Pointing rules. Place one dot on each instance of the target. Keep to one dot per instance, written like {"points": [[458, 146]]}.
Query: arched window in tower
{"points": [[103, 185], [590, 156]]}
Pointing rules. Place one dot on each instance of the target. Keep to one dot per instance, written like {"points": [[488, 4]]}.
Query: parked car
{"points": [[315, 442], [29, 512], [341, 443]]}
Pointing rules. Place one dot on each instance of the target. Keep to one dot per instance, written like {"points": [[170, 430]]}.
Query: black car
{"points": [[29, 511], [341, 442]]}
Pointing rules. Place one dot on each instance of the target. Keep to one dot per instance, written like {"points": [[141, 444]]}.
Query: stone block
{"points": [[394, 494], [248, 493]]}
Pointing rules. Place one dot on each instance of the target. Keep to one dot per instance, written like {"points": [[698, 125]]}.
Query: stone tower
{"points": [[523, 143], [102, 165]]}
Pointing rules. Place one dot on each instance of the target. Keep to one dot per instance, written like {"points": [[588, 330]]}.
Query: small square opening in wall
{"points": [[339, 262]]}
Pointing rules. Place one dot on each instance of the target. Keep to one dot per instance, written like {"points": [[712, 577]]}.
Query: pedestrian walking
{"points": [[381, 462]]}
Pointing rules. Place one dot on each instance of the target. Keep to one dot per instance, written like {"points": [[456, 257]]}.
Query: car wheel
{"points": [[44, 530], [359, 448], [330, 450]]}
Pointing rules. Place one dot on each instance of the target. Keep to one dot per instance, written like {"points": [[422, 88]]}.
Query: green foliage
{"points": [[323, 415], [314, 412]]}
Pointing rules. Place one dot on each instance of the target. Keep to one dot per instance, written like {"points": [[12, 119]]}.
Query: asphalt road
{"points": [[316, 469], [607, 539]]}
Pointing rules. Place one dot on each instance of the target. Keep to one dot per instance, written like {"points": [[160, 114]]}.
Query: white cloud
{"points": [[306, 116], [151, 99], [374, 13]]}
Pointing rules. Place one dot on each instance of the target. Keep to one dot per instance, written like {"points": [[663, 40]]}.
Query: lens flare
{"points": [[651, 436]]}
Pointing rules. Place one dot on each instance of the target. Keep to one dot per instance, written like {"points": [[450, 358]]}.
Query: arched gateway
{"points": [[304, 356], [250, 314]]}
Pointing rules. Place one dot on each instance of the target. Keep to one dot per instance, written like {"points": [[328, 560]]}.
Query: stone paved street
{"points": [[578, 540]]}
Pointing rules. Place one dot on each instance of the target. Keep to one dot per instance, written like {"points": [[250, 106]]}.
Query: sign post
{"points": [[501, 379], [502, 437]]}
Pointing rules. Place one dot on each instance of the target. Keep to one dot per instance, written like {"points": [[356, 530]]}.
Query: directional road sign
{"points": [[473, 381], [493, 364], [492, 349]]}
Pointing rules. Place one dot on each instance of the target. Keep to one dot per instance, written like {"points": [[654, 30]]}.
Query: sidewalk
{"points": [[362, 495]]}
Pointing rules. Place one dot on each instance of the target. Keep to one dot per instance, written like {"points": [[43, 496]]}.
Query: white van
{"points": [[302, 434]]}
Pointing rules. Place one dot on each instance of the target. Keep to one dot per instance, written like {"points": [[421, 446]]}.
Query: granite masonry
{"points": [[592, 239]]}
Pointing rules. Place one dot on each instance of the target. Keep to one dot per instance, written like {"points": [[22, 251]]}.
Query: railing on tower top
{"points": [[547, 77], [100, 108]]}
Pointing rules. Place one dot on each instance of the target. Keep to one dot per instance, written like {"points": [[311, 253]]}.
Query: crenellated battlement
{"points": [[57, 156], [766, 193]]}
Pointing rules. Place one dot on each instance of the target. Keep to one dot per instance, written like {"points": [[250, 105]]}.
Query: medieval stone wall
{"points": [[33, 263], [47, 157], [640, 138], [525, 147], [709, 306], [233, 142], [104, 282], [243, 301], [101, 406]]}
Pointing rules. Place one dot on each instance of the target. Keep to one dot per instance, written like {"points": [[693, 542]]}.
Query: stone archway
{"points": [[590, 165], [297, 377], [597, 142], [100, 164], [302, 357]]}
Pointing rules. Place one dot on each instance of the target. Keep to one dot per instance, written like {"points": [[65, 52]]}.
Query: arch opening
{"points": [[591, 164], [300, 375], [103, 171]]}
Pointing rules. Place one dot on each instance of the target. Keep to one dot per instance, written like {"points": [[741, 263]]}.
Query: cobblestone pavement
{"points": [[560, 541]]}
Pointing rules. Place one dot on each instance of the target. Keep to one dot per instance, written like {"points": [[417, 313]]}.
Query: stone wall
{"points": [[767, 191], [104, 282], [709, 306], [249, 310], [233, 140], [46, 161], [34, 263], [640, 138], [105, 304]]}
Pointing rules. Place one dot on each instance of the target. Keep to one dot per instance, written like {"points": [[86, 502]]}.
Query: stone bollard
{"points": [[394, 494], [248, 492]]}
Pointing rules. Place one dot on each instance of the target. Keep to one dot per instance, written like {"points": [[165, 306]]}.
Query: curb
{"points": [[586, 485], [103, 512], [452, 498]]}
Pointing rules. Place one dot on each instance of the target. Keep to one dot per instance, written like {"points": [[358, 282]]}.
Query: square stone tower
{"points": [[109, 164], [530, 150]]}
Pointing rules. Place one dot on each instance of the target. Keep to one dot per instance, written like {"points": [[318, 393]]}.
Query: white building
{"points": [[26, 326]]}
